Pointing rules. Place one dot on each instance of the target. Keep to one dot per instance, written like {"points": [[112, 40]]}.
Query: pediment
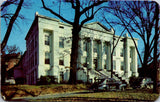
{"points": [[97, 26]]}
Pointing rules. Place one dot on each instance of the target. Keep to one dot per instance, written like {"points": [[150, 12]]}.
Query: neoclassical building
{"points": [[48, 44]]}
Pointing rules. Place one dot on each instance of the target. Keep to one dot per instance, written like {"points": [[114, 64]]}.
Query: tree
{"points": [[113, 43], [156, 53], [12, 49], [145, 18], [11, 17], [84, 11], [8, 53]]}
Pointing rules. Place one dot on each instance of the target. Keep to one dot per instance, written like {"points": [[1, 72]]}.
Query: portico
{"points": [[103, 55]]}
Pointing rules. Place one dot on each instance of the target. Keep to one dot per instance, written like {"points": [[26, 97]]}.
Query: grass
{"points": [[35, 90], [129, 94], [140, 94]]}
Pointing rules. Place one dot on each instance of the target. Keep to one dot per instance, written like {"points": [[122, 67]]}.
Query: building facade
{"points": [[48, 52]]}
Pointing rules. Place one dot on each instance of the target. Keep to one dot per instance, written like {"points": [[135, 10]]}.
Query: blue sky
{"points": [[19, 32]]}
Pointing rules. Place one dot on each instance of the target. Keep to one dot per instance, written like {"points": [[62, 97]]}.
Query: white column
{"points": [[134, 73], [55, 56], [102, 55], [91, 54], [108, 57], [126, 57], [100, 51], [80, 52]]}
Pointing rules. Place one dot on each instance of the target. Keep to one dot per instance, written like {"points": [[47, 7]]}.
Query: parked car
{"points": [[108, 84]]}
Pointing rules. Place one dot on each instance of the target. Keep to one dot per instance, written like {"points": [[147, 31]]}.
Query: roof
{"points": [[94, 25]]}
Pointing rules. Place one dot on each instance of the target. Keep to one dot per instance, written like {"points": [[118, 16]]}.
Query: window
{"points": [[121, 53], [47, 59], [61, 60], [47, 35], [122, 65], [46, 39], [61, 42]]}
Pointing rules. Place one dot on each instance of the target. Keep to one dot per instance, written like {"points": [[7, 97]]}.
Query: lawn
{"points": [[13, 91], [121, 96], [129, 94]]}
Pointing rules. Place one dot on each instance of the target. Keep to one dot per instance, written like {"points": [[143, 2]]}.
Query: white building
{"points": [[49, 42]]}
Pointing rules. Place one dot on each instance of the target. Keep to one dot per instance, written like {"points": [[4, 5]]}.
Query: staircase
{"points": [[121, 78], [103, 74], [97, 74]]}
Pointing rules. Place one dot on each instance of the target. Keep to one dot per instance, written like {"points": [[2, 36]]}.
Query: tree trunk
{"points": [[74, 54], [10, 26], [111, 65], [155, 86], [145, 62]]}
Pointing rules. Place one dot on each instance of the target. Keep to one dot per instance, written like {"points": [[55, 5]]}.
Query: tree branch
{"points": [[93, 5], [126, 26], [12, 20], [51, 11], [72, 3]]}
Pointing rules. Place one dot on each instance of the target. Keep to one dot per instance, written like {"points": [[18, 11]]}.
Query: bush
{"points": [[80, 82], [135, 82], [20, 80], [46, 80]]}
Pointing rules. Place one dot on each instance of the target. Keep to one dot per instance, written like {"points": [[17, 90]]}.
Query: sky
{"points": [[20, 29]]}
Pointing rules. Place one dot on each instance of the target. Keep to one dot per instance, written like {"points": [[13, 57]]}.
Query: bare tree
{"points": [[113, 42], [12, 49], [80, 8], [156, 53], [144, 16], [11, 17]]}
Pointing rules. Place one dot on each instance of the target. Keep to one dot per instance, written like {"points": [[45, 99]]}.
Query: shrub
{"points": [[45, 80], [80, 82], [135, 82], [20, 80]]}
